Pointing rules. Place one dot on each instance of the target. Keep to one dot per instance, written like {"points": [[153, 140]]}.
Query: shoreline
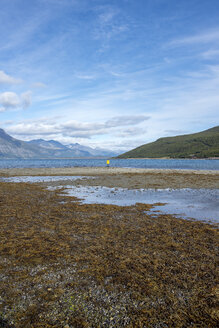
{"points": [[130, 178], [99, 171], [178, 158]]}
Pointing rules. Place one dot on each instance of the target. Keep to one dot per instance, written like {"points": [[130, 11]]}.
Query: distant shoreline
{"points": [[187, 158], [105, 157], [100, 170]]}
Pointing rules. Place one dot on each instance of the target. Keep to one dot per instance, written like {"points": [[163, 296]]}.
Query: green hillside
{"points": [[199, 145]]}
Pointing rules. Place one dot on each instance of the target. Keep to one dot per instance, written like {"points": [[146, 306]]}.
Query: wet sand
{"points": [[131, 178]]}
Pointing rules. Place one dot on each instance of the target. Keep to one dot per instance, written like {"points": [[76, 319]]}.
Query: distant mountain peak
{"points": [[40, 148]]}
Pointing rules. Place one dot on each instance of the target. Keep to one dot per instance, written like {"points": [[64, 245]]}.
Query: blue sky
{"points": [[108, 73]]}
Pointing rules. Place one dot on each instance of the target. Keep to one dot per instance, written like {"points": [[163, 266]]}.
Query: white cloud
{"points": [[33, 129], [77, 129], [126, 120], [26, 99], [130, 132], [205, 37], [7, 79], [79, 126], [175, 105], [10, 100]]}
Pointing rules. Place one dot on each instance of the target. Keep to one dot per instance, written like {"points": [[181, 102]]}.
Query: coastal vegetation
{"points": [[204, 144], [66, 264]]}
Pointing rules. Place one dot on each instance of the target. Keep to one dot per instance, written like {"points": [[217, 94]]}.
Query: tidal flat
{"points": [[64, 263]]}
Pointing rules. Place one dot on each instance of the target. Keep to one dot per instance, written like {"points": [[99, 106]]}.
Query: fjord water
{"points": [[192, 164]]}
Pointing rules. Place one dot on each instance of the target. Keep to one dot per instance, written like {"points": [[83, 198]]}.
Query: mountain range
{"points": [[204, 144], [39, 148]]}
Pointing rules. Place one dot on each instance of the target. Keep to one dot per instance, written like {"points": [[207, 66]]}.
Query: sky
{"points": [[113, 74]]}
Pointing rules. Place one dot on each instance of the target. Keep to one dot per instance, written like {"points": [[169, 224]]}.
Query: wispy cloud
{"points": [[67, 3], [38, 85], [51, 98], [26, 99], [204, 37], [85, 76], [126, 120], [108, 14], [7, 79], [110, 24], [19, 37], [211, 54]]}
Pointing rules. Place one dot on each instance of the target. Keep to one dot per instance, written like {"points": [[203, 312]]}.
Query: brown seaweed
{"points": [[66, 264]]}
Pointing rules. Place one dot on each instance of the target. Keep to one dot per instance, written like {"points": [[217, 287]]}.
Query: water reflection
{"points": [[187, 203], [202, 204]]}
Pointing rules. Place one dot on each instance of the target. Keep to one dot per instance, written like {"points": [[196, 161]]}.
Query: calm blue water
{"points": [[137, 163]]}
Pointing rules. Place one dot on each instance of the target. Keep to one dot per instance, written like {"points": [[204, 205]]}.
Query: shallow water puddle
{"points": [[35, 179], [187, 203], [202, 204]]}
